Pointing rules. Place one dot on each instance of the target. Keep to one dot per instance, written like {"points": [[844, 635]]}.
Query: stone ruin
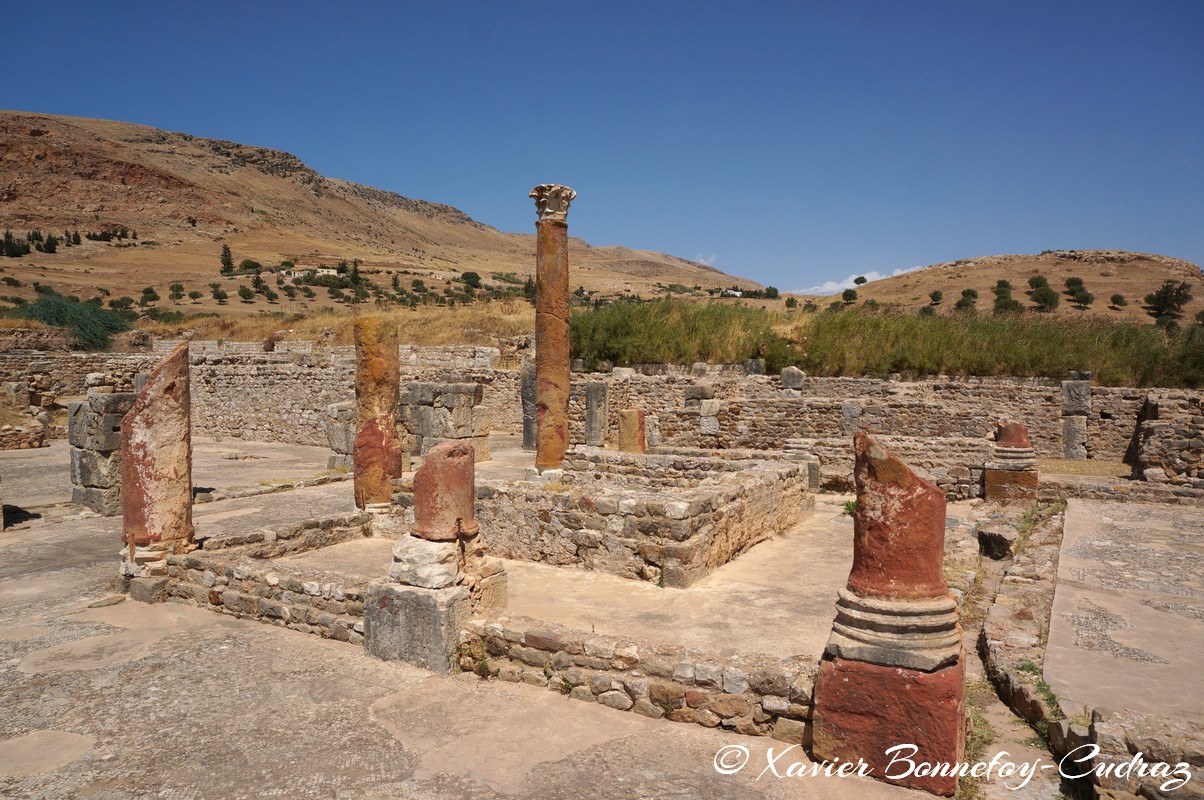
{"points": [[1012, 474], [377, 456], [156, 475], [894, 670], [727, 461]]}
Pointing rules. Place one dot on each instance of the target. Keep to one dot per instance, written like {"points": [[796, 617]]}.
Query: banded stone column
{"points": [[377, 450], [156, 470], [1012, 475], [551, 323], [894, 670]]}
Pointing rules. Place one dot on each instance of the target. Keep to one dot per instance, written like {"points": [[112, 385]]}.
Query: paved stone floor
{"points": [[1127, 630]]}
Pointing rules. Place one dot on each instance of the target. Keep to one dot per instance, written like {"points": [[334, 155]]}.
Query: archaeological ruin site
{"points": [[842, 564]]}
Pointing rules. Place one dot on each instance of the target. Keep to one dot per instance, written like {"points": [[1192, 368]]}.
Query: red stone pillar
{"points": [[633, 433], [156, 468], [377, 450], [551, 324], [1012, 475], [894, 670]]}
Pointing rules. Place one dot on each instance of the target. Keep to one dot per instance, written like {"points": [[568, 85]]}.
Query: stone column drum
{"points": [[377, 450], [156, 470], [1012, 475], [551, 324], [894, 671]]}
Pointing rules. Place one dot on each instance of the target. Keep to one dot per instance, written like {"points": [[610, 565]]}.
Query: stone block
{"points": [[597, 412], [793, 378], [148, 590], [862, 709], [1074, 438], [527, 397], [106, 502], [494, 592], [111, 402], [1076, 398], [431, 565], [1009, 485], [78, 414], [415, 625], [99, 470]]}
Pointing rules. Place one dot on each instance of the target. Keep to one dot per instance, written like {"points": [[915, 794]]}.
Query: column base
{"points": [[862, 710], [418, 626]]}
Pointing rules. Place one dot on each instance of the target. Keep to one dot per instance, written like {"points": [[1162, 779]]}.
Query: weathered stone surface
{"points": [[148, 590], [551, 324], [415, 625], [377, 393], [633, 436], [863, 709], [156, 459], [597, 412], [431, 565], [1074, 438], [527, 396], [1012, 434], [1009, 485], [106, 502], [444, 493], [898, 529], [1076, 398], [793, 378]]}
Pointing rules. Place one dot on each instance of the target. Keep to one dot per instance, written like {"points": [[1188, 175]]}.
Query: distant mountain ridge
{"points": [[186, 196]]}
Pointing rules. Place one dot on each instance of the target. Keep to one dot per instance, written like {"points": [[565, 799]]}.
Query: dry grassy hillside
{"points": [[185, 196], [1104, 273]]}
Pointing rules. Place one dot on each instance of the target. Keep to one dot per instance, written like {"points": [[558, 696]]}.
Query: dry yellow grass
{"points": [[14, 322], [480, 324]]}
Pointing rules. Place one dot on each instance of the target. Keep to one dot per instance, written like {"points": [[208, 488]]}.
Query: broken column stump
{"points": [[156, 476], [551, 324], [1012, 475], [633, 432], [377, 449], [894, 671], [440, 573]]}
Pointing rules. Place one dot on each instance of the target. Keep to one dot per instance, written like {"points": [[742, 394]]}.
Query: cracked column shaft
{"points": [[551, 324]]}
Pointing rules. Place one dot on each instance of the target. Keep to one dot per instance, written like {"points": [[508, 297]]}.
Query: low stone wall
{"points": [[233, 575], [665, 519], [755, 696], [953, 463], [1119, 489], [44, 339], [23, 437], [432, 413]]}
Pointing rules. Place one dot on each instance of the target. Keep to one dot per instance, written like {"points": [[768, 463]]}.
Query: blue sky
{"points": [[788, 142]]}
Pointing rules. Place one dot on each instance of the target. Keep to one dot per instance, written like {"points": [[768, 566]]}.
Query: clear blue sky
{"points": [[787, 142]]}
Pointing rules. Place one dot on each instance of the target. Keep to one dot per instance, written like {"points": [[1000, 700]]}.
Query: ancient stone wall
{"points": [[233, 575], [753, 695], [45, 339], [23, 437], [51, 376], [664, 519], [954, 463], [1171, 439]]}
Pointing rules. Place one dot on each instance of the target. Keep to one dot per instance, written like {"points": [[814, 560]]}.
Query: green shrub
{"points": [[93, 326]]}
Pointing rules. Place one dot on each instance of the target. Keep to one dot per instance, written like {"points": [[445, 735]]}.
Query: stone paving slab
{"points": [[131, 701], [1127, 628]]}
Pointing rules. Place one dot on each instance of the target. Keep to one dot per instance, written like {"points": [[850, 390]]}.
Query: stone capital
{"points": [[552, 201]]}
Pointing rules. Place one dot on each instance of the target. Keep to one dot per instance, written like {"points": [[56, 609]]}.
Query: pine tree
{"points": [[227, 260]]}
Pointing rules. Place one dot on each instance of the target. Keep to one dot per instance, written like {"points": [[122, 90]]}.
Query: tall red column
{"points": [[551, 324]]}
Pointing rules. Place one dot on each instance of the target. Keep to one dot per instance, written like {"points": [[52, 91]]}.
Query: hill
{"points": [[1103, 272], [186, 196]]}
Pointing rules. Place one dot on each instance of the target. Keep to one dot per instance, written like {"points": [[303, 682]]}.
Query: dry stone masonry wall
{"points": [[665, 519]]}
